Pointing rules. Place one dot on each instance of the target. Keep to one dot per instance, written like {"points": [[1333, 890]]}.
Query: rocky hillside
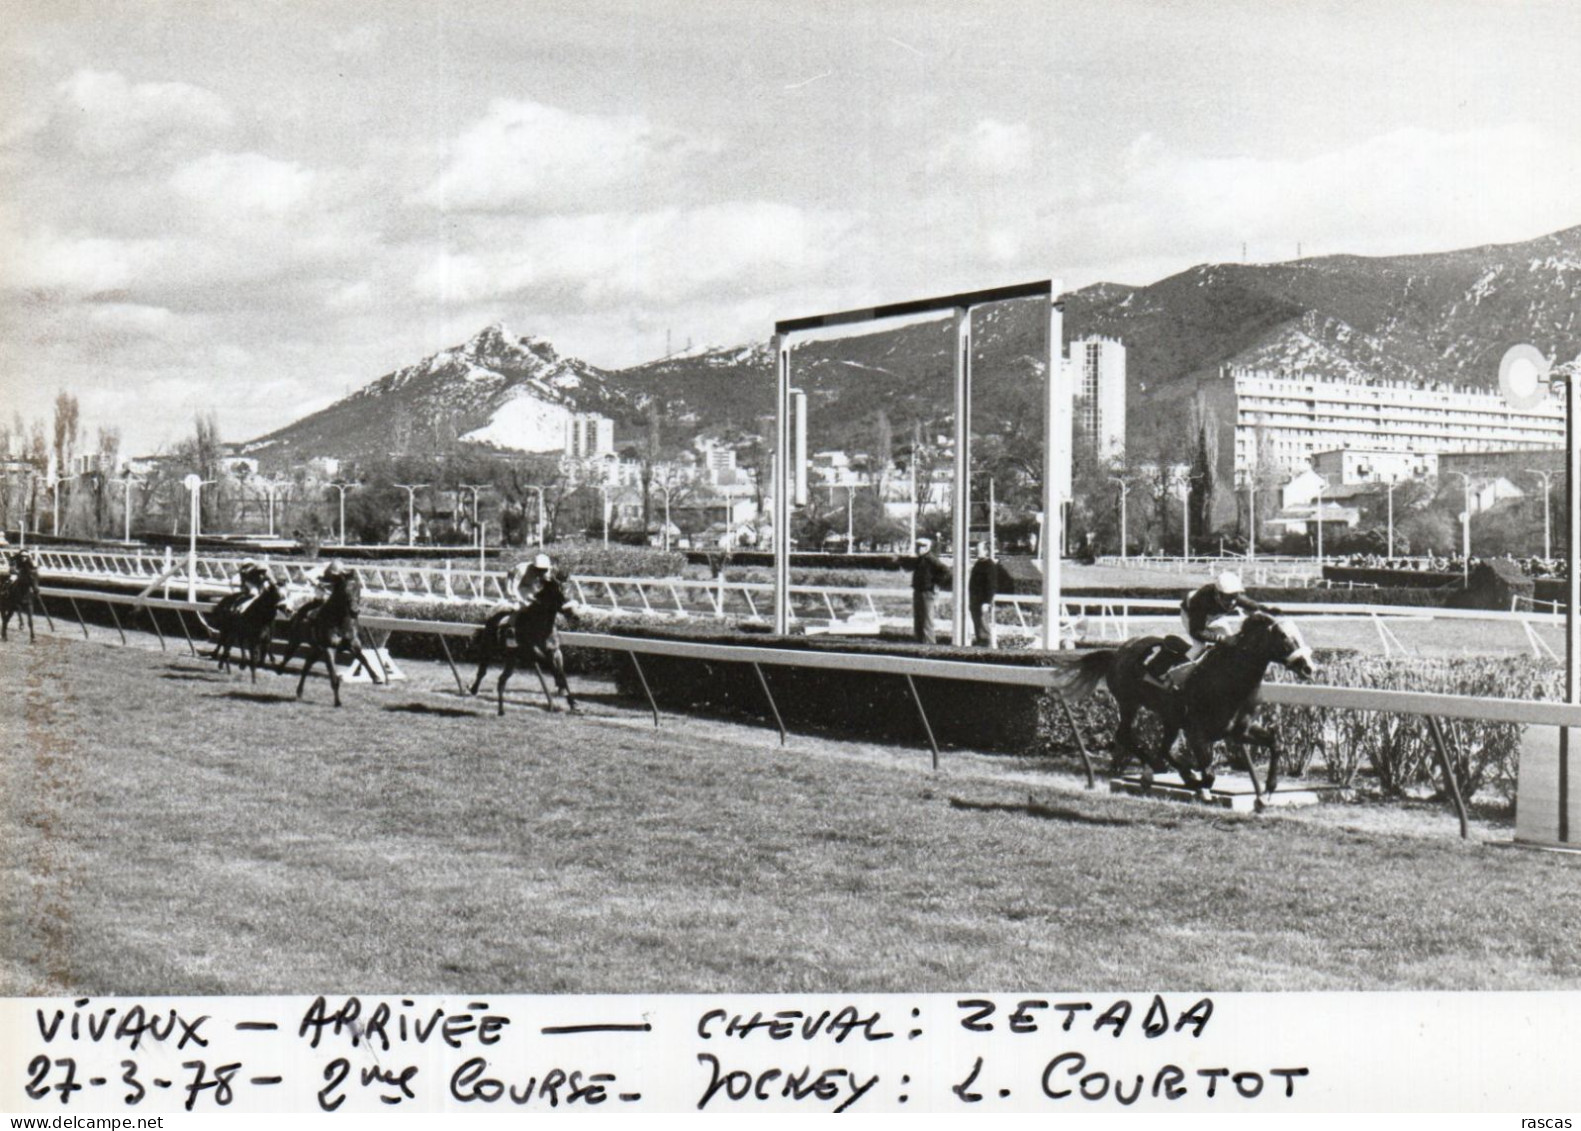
{"points": [[496, 390], [1446, 316]]}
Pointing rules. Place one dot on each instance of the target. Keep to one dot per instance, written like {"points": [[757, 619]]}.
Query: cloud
{"points": [[990, 147], [661, 256], [1403, 191], [231, 183], [528, 154], [73, 265], [103, 113]]}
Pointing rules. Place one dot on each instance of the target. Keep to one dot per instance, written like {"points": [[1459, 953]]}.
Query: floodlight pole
{"points": [[782, 476], [1125, 489], [411, 490], [1056, 454], [1393, 483], [1251, 517], [343, 488], [539, 490], [1465, 529], [963, 471], [1569, 373], [1548, 482], [126, 504]]}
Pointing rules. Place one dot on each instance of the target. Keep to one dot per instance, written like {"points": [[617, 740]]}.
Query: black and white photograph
{"points": [[871, 556]]}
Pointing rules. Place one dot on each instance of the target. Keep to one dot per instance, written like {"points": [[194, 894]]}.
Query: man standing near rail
{"points": [[928, 575], [987, 580]]}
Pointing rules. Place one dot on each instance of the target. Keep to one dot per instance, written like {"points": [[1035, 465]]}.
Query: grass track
{"points": [[171, 830]]}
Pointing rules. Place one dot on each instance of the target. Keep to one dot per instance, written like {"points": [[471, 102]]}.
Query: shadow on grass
{"points": [[1034, 808], [425, 709], [193, 677], [252, 696]]}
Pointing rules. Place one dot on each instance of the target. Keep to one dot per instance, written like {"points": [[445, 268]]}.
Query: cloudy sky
{"points": [[253, 207]]}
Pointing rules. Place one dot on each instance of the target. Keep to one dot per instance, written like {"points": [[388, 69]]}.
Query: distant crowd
{"points": [[1433, 563]]}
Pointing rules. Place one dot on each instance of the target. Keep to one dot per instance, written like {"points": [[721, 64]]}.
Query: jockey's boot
{"points": [[1156, 670]]}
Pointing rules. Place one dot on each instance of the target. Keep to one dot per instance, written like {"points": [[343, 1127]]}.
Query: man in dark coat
{"points": [[987, 580], [928, 576]]}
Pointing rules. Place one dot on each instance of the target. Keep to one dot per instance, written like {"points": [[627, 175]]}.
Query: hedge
{"points": [[1393, 752]]}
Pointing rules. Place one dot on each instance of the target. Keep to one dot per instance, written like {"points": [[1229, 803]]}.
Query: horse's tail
{"points": [[206, 626], [1078, 678]]}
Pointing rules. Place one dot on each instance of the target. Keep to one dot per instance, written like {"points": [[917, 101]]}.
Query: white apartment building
{"points": [[1095, 375], [1282, 420]]}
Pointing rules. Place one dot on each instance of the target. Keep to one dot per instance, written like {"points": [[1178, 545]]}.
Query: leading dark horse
{"points": [[324, 625], [19, 593], [1213, 702], [526, 636]]}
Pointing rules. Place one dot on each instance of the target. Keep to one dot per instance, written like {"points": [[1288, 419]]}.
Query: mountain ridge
{"points": [[1422, 317]]}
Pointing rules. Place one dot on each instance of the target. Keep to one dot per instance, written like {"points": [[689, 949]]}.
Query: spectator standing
{"points": [[986, 581], [928, 576]]}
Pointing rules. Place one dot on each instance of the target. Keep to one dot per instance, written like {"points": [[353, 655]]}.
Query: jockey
{"points": [[521, 584], [1210, 616], [251, 577]]}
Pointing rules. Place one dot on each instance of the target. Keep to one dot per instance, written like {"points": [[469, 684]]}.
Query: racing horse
{"points": [[251, 628], [19, 593], [1214, 700], [526, 636], [325, 624]]}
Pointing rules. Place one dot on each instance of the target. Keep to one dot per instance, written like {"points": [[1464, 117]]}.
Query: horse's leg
{"points": [[1123, 737], [334, 672], [1196, 769], [5, 624], [292, 640], [362, 658], [1164, 758], [509, 666], [307, 665], [483, 667], [557, 665], [1268, 739], [548, 698], [31, 638]]}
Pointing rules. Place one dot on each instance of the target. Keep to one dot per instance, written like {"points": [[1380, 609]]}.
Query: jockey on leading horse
{"points": [[1210, 615]]}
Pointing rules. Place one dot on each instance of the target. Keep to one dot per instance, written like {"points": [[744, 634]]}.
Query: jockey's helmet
{"points": [[542, 564], [1229, 583]]}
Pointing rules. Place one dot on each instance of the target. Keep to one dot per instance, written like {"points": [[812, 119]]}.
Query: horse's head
{"points": [[1278, 640]]}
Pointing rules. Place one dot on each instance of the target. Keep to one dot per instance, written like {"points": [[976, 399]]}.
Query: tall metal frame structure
{"points": [[1056, 440]]}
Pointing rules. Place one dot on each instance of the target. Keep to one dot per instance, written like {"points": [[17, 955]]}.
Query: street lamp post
{"points": [[55, 494], [194, 485], [343, 488], [1465, 529], [411, 490], [1393, 483], [1184, 480], [126, 504], [1317, 517], [1251, 516], [850, 520], [665, 488], [270, 488], [1125, 489], [539, 491], [476, 489], [603, 494], [1548, 481]]}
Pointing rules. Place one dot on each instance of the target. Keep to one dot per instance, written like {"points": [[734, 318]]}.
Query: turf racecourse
{"points": [[170, 830]]}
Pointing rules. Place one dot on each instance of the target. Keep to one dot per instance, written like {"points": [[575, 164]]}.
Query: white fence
{"points": [[1430, 705], [814, 608]]}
